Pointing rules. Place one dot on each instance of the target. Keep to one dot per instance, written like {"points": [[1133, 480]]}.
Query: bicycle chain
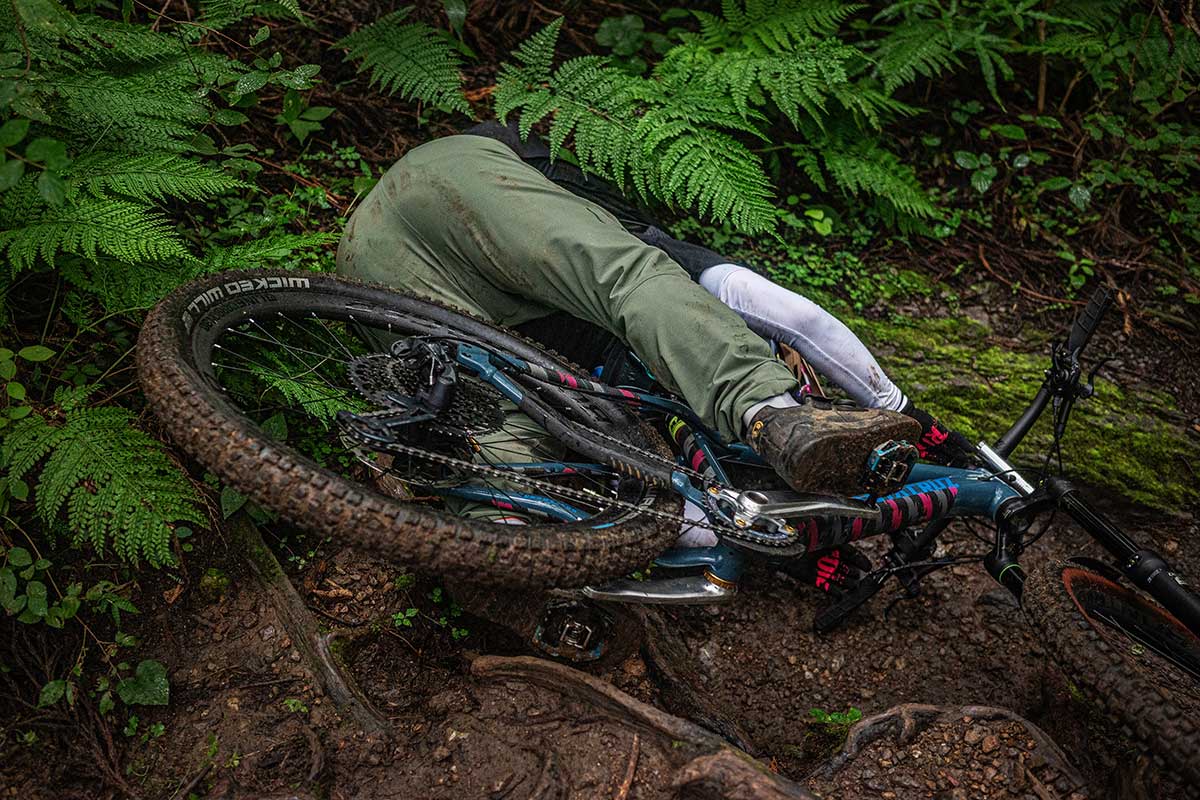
{"points": [[512, 476], [374, 375], [670, 464]]}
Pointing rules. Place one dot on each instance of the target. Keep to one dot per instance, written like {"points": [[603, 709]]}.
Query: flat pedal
{"points": [[888, 467], [574, 631]]}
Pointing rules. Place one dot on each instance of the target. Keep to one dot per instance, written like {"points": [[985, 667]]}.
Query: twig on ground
{"points": [[627, 784], [1018, 287]]}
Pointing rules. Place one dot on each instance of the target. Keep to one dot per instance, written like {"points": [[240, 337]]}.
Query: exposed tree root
{"points": [[709, 766], [313, 645], [672, 668], [906, 722]]}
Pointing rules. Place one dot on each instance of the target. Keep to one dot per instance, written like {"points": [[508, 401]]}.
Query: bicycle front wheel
{"points": [[254, 373], [1126, 654]]}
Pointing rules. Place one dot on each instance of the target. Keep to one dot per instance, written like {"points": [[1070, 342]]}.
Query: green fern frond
{"points": [[800, 81], [55, 35], [920, 48], [119, 288], [263, 252], [1075, 45], [153, 177], [220, 14], [91, 227], [629, 130], [297, 383], [866, 166], [116, 484], [409, 58], [142, 110], [773, 26]]}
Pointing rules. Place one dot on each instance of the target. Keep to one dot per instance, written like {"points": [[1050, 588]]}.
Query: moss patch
{"points": [[1127, 439]]}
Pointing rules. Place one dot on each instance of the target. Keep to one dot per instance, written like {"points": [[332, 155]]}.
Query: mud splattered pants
{"points": [[463, 220]]}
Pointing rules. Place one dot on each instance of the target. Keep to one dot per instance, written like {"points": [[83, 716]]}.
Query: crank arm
{"points": [[786, 504]]}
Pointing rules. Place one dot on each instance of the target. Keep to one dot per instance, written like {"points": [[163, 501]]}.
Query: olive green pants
{"points": [[463, 220]]}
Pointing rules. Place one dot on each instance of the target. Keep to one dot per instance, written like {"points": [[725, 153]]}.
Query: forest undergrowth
{"points": [[953, 177]]}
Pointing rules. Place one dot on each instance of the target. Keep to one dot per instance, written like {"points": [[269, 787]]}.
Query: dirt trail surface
{"points": [[415, 713]]}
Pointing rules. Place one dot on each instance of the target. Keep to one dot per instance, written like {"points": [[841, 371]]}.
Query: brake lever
{"points": [[1088, 389]]}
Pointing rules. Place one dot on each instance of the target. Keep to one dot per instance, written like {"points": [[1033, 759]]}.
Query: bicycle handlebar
{"points": [[1082, 329], [1089, 319]]}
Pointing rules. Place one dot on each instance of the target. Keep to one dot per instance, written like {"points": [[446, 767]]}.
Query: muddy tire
{"points": [[178, 337], [1110, 641]]}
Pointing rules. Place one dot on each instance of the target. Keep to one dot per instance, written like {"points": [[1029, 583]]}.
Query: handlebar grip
{"points": [[1089, 319]]}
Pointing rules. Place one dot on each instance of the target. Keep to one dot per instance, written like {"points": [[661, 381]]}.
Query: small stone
{"points": [[267, 633], [294, 655], [441, 753], [990, 743], [1171, 546], [973, 734]]}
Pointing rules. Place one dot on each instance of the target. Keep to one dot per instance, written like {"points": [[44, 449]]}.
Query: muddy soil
{"points": [[960, 700]]}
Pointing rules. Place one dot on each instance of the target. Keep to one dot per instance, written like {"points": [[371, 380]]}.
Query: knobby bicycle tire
{"points": [[206, 425], [1154, 701]]}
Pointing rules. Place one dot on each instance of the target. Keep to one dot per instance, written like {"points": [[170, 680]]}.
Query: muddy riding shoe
{"points": [[825, 449]]}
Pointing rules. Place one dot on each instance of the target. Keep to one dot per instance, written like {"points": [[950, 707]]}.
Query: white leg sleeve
{"points": [[784, 316]]}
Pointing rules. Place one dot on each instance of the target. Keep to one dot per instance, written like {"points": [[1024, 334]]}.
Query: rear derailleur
{"points": [[434, 363]]}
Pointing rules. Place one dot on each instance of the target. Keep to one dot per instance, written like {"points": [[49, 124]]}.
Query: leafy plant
{"points": [[115, 483], [410, 58], [666, 142], [681, 135]]}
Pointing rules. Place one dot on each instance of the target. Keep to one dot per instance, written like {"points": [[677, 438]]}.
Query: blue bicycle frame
{"points": [[979, 493]]}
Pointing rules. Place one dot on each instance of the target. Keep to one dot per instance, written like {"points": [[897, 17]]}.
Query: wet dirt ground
{"points": [[959, 699]]}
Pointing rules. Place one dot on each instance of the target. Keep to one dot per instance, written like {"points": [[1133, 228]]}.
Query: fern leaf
{"points": [[138, 110], [220, 14], [92, 227], [411, 59], [866, 166], [120, 289], [263, 252], [117, 485], [150, 178], [55, 35], [777, 26], [633, 131], [920, 48]]}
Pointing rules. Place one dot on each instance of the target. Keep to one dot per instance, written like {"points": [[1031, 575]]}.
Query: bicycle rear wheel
{"points": [[1126, 654], [249, 372]]}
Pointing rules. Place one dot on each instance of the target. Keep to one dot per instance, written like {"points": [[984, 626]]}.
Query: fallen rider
{"points": [[487, 223]]}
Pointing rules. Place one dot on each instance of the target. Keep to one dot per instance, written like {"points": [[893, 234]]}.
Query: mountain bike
{"points": [[461, 448]]}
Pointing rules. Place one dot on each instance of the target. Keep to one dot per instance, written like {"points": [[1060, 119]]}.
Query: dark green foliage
{"points": [[150, 178], [220, 14], [664, 140], [685, 135], [102, 141], [91, 227], [114, 483], [409, 58]]}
